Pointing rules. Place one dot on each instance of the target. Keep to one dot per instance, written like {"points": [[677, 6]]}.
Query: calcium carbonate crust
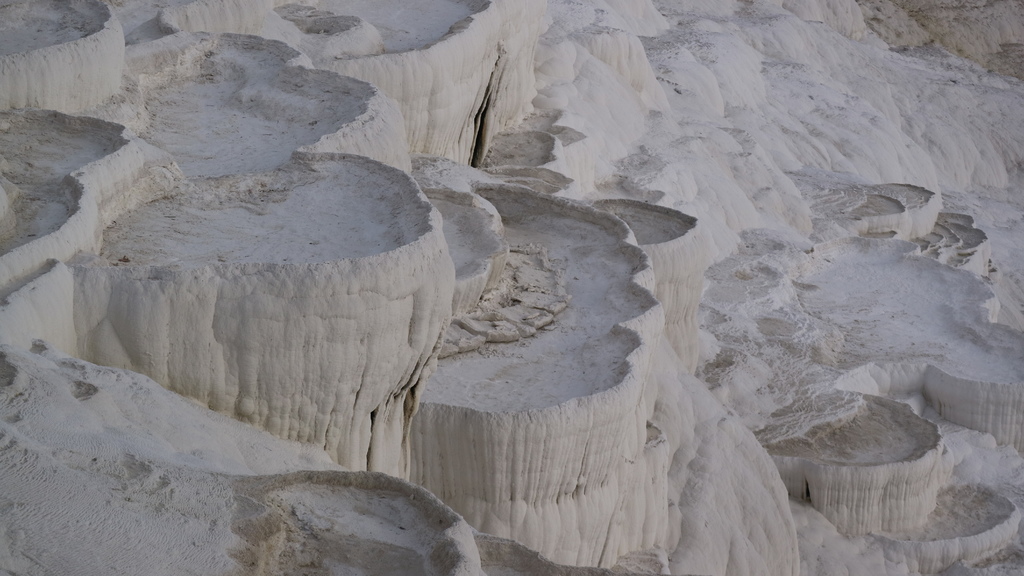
{"points": [[679, 252], [476, 242], [457, 93], [69, 76], [862, 493], [971, 541], [573, 479], [333, 113], [364, 521], [99, 191], [333, 353]]}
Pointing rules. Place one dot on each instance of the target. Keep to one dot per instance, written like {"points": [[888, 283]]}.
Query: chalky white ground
{"points": [[768, 108]]}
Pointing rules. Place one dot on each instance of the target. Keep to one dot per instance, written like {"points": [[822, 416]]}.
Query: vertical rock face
{"points": [[557, 454], [65, 56], [879, 470], [459, 91], [679, 256], [237, 16], [969, 524], [289, 335]]}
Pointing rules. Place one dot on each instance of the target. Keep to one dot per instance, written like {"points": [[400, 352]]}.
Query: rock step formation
{"points": [[878, 469], [323, 331], [228, 104], [988, 406], [969, 523], [955, 241], [65, 178], [577, 492], [476, 242], [455, 93], [61, 55], [679, 255]]}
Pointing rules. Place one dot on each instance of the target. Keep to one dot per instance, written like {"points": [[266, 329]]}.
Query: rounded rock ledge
{"points": [[355, 522], [229, 104], [532, 158], [64, 55], [969, 523], [993, 407], [552, 430], [476, 241], [308, 301], [955, 241], [62, 178], [679, 256], [878, 468], [890, 210], [462, 75]]}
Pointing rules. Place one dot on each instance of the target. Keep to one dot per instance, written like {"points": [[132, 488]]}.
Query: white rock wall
{"points": [[102, 189], [863, 499], [457, 93], [333, 354], [569, 480], [236, 16], [67, 77], [934, 556], [41, 308], [679, 261]]}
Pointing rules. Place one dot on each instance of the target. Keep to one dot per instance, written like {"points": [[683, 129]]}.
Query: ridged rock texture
{"points": [[679, 255], [459, 91], [879, 469], [515, 425], [61, 55], [326, 345]]}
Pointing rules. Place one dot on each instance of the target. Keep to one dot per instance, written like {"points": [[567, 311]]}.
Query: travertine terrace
{"points": [[511, 287]]}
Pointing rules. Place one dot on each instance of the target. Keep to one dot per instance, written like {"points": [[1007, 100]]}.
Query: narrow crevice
{"points": [[481, 120], [369, 445], [807, 491]]}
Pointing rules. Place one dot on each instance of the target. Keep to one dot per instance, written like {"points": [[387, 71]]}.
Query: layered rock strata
{"points": [[578, 491], [308, 301]]}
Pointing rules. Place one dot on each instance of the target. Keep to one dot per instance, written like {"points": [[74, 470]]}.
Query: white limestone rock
{"points": [[552, 434], [308, 301], [969, 524], [365, 522], [987, 406], [73, 176], [455, 93], [94, 456], [234, 16], [679, 254], [877, 470], [313, 31], [476, 242], [956, 242], [59, 54], [227, 104]]}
